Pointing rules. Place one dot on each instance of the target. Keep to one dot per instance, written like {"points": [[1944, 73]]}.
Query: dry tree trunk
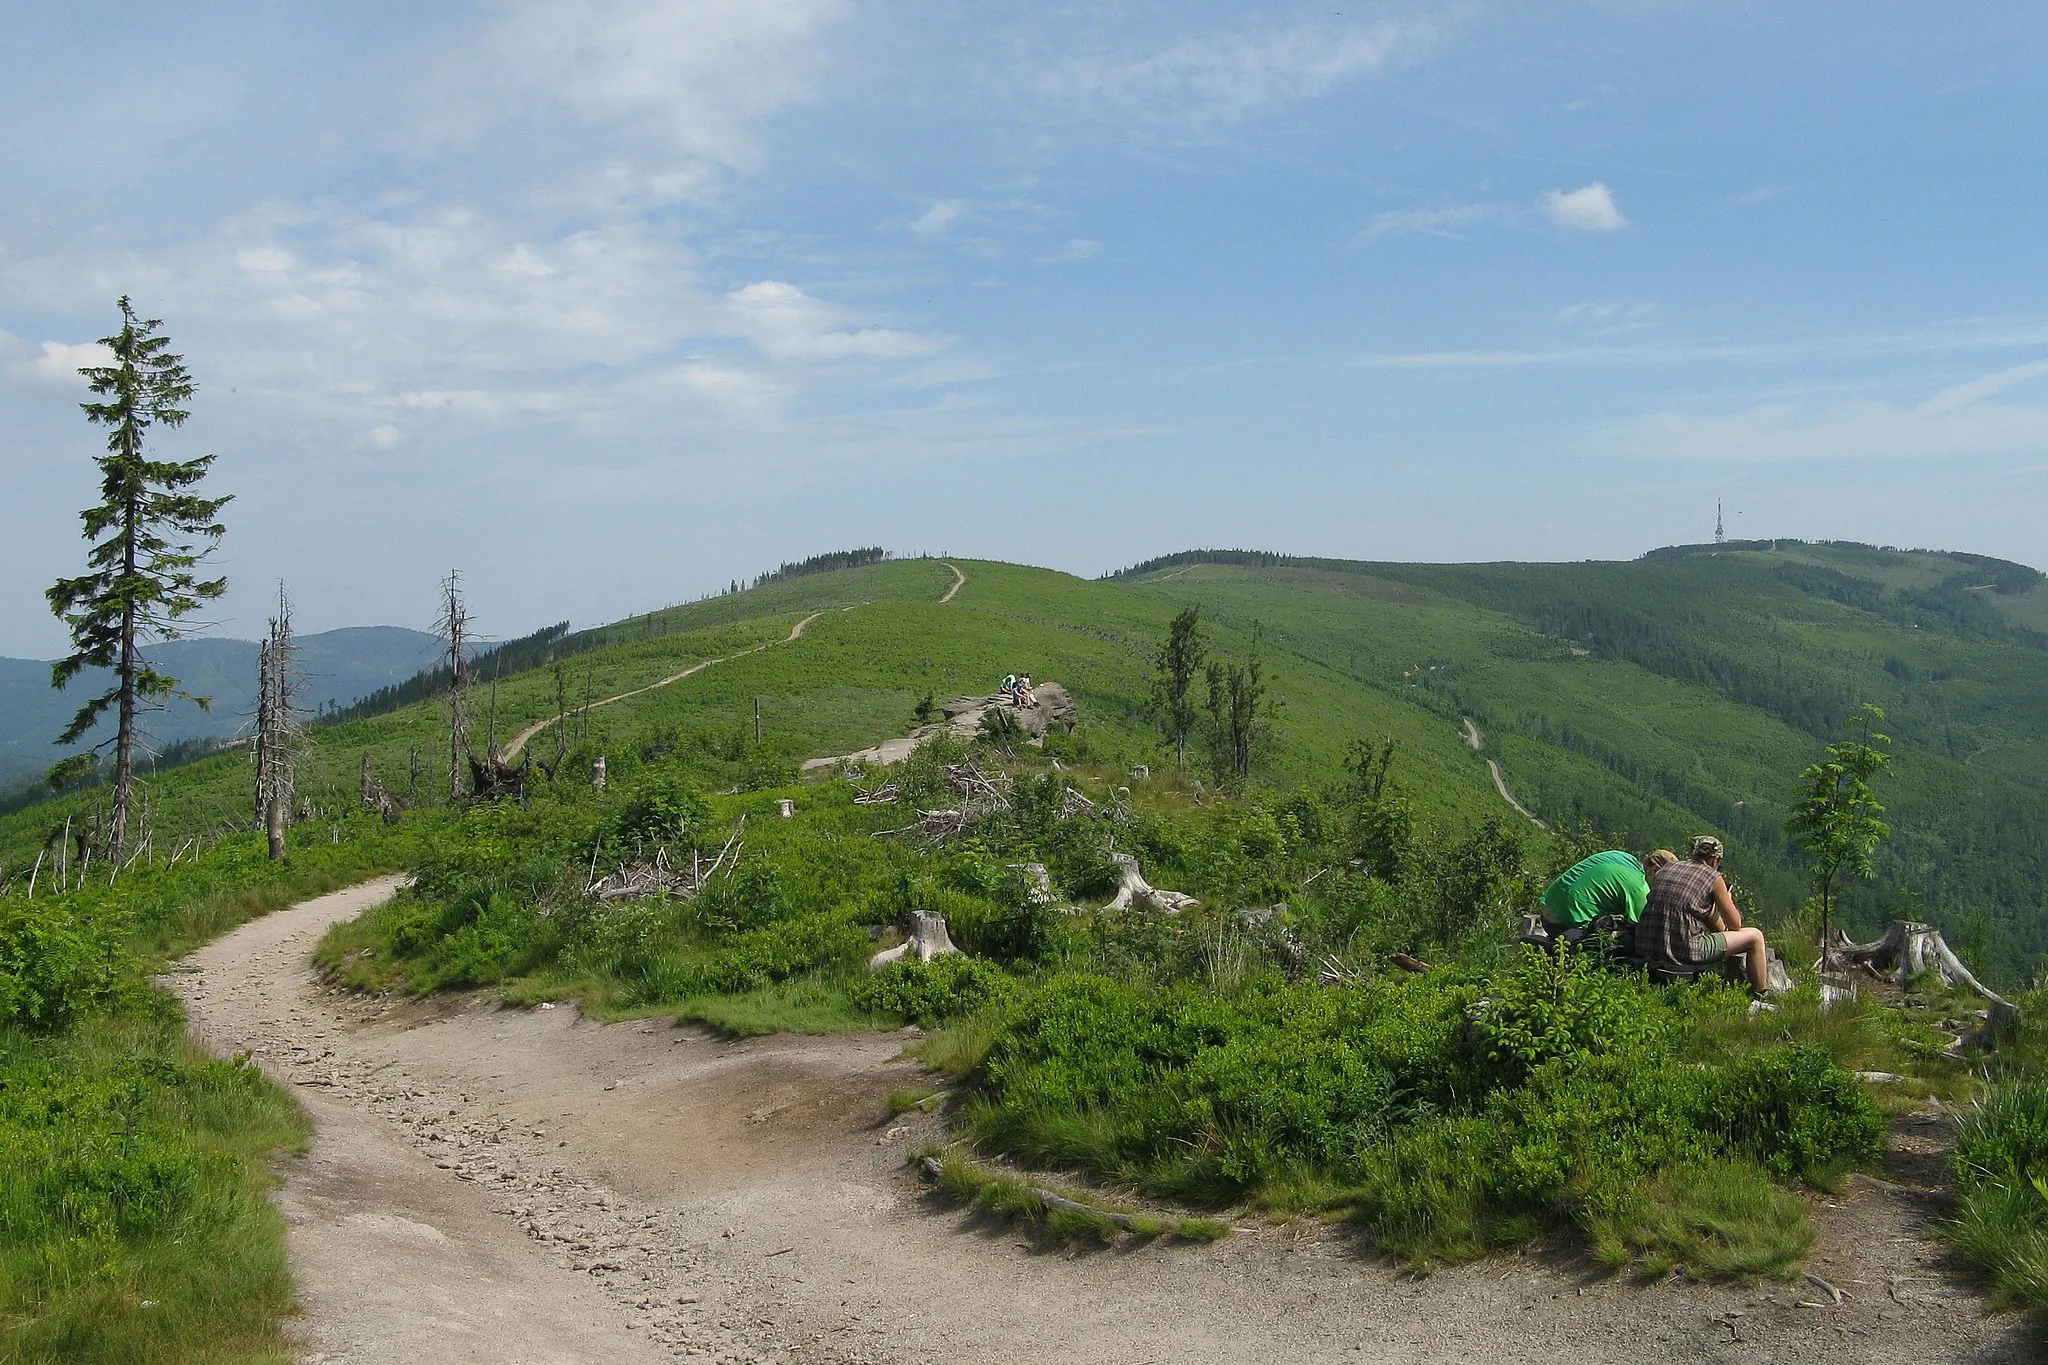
{"points": [[928, 939], [1910, 948], [454, 626], [377, 798], [280, 733], [1134, 891]]}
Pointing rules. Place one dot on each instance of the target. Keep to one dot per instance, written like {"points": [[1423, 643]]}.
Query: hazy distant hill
{"points": [[340, 666]]}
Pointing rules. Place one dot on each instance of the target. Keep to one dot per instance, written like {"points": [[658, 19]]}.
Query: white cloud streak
{"points": [[1956, 423], [1230, 76]]}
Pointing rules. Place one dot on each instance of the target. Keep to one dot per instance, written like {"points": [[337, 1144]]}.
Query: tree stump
{"points": [[1133, 891], [1909, 949], [928, 939]]}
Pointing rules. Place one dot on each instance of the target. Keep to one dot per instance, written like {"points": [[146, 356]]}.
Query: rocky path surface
{"points": [[496, 1184]]}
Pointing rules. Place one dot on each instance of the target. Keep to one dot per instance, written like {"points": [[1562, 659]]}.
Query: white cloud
{"points": [[787, 324], [940, 216], [1230, 75], [1962, 395], [383, 437], [689, 80], [58, 362], [1590, 208]]}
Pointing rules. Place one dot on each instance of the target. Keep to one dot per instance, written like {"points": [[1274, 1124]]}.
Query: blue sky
{"points": [[608, 304]]}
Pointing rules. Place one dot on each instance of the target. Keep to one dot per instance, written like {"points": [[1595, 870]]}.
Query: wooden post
{"points": [[597, 773], [412, 781]]}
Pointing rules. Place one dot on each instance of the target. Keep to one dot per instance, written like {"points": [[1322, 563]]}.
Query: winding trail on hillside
{"points": [[1500, 782], [490, 1183], [518, 742], [511, 751]]}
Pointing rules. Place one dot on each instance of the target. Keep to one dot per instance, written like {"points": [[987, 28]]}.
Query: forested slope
{"points": [[1683, 692]]}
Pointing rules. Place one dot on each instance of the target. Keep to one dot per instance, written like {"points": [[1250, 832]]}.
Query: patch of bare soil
{"points": [[489, 1183]]}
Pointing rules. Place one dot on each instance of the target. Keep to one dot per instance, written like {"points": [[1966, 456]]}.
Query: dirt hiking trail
{"points": [[488, 1183], [1500, 782], [518, 741], [796, 632]]}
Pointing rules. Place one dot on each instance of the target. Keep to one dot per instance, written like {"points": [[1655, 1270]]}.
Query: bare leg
{"points": [[1750, 943]]}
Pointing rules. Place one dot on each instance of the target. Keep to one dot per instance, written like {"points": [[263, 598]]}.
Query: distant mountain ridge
{"points": [[340, 666]]}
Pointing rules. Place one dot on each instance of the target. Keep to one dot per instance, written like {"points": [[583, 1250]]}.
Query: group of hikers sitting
{"points": [[1673, 916], [1017, 687]]}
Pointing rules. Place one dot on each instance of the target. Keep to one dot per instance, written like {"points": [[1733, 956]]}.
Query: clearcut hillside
{"points": [[1651, 699]]}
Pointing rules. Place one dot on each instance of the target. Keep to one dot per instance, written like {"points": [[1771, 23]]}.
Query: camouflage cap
{"points": [[1706, 846]]}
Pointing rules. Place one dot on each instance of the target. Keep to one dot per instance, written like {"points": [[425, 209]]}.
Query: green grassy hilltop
{"points": [[1650, 699]]}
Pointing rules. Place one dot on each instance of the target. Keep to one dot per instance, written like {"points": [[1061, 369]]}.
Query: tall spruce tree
{"points": [[141, 577]]}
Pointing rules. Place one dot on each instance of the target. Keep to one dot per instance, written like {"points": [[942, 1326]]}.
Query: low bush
{"points": [[931, 992], [133, 1221], [1451, 1114], [59, 960]]}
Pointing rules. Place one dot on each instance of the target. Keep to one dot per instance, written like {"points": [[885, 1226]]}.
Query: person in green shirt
{"points": [[1610, 883]]}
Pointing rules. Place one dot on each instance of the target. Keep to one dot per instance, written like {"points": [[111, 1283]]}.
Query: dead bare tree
{"points": [[377, 797], [280, 726], [561, 717], [454, 628]]}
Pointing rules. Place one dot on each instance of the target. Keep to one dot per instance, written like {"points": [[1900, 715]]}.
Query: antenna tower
{"points": [[1720, 533]]}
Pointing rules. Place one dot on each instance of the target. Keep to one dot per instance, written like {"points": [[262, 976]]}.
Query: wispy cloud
{"points": [[1590, 208], [941, 215], [1957, 422], [680, 85], [1229, 76], [786, 324], [1443, 222], [1961, 336], [1077, 249]]}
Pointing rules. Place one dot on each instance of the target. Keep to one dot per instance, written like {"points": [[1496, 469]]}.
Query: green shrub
{"points": [[2003, 1138], [58, 960], [666, 810], [1549, 1008], [931, 992], [1796, 1113]]}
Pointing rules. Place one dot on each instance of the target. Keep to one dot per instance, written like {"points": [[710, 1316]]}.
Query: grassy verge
{"points": [[133, 1221], [2001, 1168], [1065, 1215], [134, 1225]]}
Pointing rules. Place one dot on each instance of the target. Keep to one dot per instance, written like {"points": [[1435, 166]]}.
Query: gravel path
{"points": [[497, 1184]]}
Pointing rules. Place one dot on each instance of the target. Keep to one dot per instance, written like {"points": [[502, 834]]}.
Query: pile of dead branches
{"points": [[933, 827], [884, 795], [659, 876], [979, 792]]}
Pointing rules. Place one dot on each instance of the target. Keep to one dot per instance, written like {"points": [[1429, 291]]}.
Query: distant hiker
{"points": [[1009, 688], [1024, 697], [1610, 883], [1691, 920]]}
